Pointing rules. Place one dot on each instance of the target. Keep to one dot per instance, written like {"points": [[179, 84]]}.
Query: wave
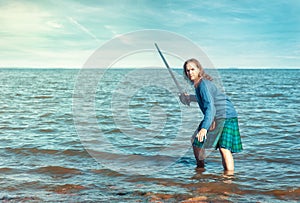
{"points": [[20, 199], [46, 115], [290, 194], [46, 130], [220, 192], [65, 189], [271, 95], [6, 170], [43, 97], [57, 170], [34, 151]]}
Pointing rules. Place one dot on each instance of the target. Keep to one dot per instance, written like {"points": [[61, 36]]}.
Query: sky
{"points": [[244, 34]]}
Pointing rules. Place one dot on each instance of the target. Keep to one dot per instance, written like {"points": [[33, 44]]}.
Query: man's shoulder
{"points": [[206, 83]]}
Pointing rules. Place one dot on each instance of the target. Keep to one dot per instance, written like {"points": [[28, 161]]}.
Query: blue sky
{"points": [[248, 33]]}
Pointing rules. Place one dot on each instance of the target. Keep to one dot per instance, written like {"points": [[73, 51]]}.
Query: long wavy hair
{"points": [[202, 73]]}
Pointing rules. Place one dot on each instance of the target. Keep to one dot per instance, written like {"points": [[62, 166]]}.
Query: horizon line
{"points": [[20, 67]]}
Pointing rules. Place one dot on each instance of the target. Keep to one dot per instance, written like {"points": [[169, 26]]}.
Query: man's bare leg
{"points": [[199, 156], [227, 159]]}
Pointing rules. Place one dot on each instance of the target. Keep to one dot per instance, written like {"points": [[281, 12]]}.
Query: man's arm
{"points": [[186, 99]]}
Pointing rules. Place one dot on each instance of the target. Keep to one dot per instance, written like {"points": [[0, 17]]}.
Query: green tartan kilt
{"points": [[229, 139]]}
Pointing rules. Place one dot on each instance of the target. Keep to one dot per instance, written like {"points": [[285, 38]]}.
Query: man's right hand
{"points": [[185, 98]]}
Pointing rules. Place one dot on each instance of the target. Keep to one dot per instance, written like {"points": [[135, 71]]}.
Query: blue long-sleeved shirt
{"points": [[213, 103]]}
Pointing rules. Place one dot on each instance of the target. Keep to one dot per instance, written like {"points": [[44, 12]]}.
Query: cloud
{"points": [[83, 28], [25, 18], [54, 24], [228, 32]]}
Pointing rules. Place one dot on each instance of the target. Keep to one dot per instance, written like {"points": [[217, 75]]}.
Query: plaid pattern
{"points": [[230, 138]]}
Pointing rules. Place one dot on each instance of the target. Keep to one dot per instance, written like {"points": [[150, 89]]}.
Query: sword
{"points": [[181, 92]]}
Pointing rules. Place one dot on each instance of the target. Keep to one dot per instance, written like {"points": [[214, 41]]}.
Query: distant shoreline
{"points": [[118, 68]]}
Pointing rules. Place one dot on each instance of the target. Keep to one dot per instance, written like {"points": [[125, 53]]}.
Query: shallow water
{"points": [[122, 136]]}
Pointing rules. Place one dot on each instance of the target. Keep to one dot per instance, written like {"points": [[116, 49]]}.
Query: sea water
{"points": [[122, 135]]}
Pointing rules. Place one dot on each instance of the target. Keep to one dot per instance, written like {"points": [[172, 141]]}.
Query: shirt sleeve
{"points": [[209, 109]]}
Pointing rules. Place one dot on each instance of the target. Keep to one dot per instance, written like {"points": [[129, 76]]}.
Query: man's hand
{"points": [[213, 126], [185, 98], [201, 135]]}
